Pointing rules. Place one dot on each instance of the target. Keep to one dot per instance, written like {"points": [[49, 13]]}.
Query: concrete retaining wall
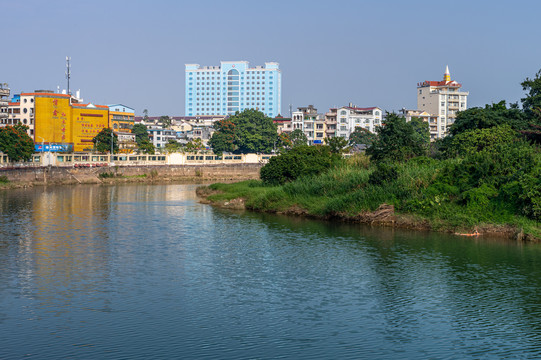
{"points": [[63, 175]]}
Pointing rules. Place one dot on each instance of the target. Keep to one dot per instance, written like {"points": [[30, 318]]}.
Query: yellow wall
{"points": [[87, 123], [58, 122], [53, 120]]}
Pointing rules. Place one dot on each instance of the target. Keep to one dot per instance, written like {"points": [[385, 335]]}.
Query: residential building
{"points": [[233, 86], [283, 124], [160, 136], [310, 122], [330, 123], [350, 117], [58, 121], [434, 121], [121, 118], [4, 100], [442, 99]]}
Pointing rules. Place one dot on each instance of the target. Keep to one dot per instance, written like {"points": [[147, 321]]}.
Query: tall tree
{"points": [[533, 96], [166, 121], [223, 138], [141, 133], [102, 141], [15, 142], [421, 128], [397, 141], [249, 131]]}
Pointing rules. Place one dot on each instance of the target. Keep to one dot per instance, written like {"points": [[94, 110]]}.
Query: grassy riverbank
{"points": [[418, 196]]}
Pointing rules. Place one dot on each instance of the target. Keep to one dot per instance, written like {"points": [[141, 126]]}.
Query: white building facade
{"points": [[310, 122], [442, 99], [350, 117]]}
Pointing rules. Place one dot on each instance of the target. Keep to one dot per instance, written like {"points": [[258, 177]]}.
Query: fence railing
{"points": [[100, 160]]}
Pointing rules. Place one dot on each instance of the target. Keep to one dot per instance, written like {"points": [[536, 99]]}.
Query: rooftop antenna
{"points": [[68, 72], [290, 110]]}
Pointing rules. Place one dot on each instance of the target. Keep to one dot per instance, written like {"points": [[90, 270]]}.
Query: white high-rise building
{"points": [[442, 99]]}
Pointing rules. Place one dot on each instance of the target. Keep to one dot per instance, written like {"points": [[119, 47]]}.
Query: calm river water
{"points": [[145, 271]]}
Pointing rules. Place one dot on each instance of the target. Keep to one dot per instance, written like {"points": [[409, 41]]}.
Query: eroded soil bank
{"points": [[385, 215]]}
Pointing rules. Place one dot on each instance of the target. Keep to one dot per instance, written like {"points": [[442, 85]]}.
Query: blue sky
{"points": [[371, 53]]}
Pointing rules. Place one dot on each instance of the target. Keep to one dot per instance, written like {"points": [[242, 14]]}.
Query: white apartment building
{"points": [[310, 122], [442, 99], [350, 117], [4, 100], [160, 136]]}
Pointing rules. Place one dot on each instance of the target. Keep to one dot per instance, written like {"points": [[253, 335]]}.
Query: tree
{"points": [[297, 138], [166, 121], [15, 142], [337, 144], [172, 146], [397, 141], [195, 145], [489, 116], [362, 136], [533, 97], [421, 128], [145, 114], [473, 141], [223, 139], [249, 131], [147, 147], [141, 133], [102, 141]]}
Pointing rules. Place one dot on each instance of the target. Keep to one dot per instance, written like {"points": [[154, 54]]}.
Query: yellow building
{"points": [[62, 123], [121, 117]]}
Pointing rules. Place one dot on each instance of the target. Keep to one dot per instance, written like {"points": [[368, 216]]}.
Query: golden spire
{"points": [[447, 75]]}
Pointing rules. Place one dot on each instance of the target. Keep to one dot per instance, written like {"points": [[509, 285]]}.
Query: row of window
{"points": [[211, 73]]}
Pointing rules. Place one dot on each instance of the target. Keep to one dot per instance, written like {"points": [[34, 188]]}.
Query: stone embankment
{"points": [[30, 176]]}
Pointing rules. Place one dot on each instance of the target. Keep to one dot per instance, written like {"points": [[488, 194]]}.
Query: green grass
{"points": [[345, 190]]}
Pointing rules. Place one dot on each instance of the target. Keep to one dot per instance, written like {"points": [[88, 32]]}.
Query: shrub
{"points": [[106, 175], [4, 179], [385, 173], [297, 162]]}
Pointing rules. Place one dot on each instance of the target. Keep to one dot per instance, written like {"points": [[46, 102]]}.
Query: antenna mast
{"points": [[68, 73]]}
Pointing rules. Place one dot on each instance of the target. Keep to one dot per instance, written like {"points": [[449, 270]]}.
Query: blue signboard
{"points": [[52, 147], [317, 141]]}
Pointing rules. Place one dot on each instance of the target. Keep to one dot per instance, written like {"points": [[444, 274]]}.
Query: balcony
{"points": [[4, 92]]}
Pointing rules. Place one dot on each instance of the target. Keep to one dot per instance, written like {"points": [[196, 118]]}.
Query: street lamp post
{"points": [[112, 138]]}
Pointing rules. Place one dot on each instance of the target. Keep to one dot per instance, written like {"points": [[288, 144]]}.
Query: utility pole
{"points": [[112, 137]]}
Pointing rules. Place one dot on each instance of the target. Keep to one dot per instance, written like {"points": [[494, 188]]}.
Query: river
{"points": [[145, 271]]}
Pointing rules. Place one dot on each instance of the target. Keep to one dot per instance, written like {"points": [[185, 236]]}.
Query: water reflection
{"points": [[142, 271]]}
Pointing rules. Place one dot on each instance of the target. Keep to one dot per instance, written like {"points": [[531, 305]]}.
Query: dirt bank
{"points": [[385, 215]]}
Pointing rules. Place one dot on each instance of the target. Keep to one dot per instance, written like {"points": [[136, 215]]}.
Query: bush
{"points": [[106, 175], [385, 173], [530, 196], [298, 162], [4, 179]]}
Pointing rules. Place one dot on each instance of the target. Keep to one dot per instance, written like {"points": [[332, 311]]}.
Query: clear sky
{"points": [[371, 53]]}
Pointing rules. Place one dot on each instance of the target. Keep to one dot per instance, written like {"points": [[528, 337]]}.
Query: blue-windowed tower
{"points": [[233, 86]]}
